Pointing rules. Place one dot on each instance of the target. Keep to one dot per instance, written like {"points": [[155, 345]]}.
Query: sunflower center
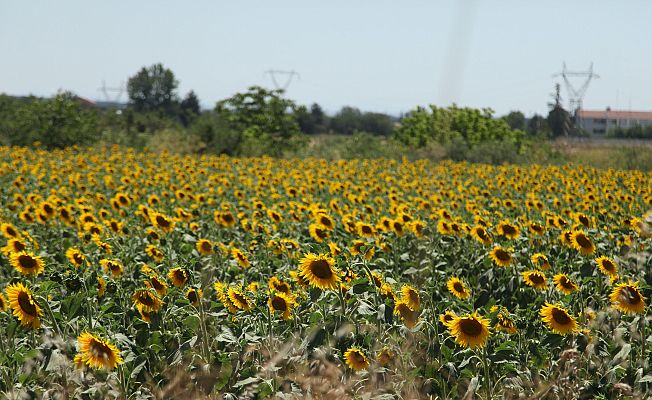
{"points": [[227, 218], [630, 295], [536, 279], [560, 316], [26, 304], [205, 246], [27, 262], [471, 327], [100, 350], [279, 304], [502, 255], [608, 265], [358, 358], [192, 296], [509, 230], [18, 246], [161, 221], [78, 258], [321, 269], [458, 287], [583, 241]]}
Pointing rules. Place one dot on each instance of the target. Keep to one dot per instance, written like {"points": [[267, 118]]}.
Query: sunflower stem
{"points": [[54, 321]]}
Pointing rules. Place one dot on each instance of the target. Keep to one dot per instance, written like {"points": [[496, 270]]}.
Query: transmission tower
{"points": [[576, 94], [275, 73], [117, 92]]}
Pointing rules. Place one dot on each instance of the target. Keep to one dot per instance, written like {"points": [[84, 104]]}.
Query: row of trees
{"points": [[258, 121]]}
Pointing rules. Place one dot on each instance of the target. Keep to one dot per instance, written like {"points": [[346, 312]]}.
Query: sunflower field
{"points": [[134, 275]]}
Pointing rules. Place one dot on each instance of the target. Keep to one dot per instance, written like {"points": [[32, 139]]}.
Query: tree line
{"points": [[257, 121]]}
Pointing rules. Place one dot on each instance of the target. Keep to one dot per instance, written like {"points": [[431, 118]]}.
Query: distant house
{"points": [[599, 123]]}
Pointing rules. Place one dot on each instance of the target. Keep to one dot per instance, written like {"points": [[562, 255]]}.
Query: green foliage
{"points": [[515, 120], [265, 120], [350, 120], [153, 89], [634, 132], [559, 121], [55, 123], [454, 124], [216, 134], [189, 109]]}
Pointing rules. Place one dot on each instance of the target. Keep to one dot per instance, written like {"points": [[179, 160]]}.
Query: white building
{"points": [[600, 122]]}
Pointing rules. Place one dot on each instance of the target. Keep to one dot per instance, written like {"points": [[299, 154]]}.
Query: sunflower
{"points": [[335, 249], [178, 276], [481, 235], [582, 243], [154, 252], [365, 230], [204, 247], [162, 221], [9, 231], [24, 307], [239, 299], [4, 304], [14, 246], [540, 260], [470, 330], [505, 324], [356, 359], [627, 298], [537, 229], [558, 319], [535, 279], [27, 264], [158, 284], [356, 249], [319, 270], [501, 256], [410, 295], [385, 356], [98, 353], [75, 256], [566, 238], [457, 288], [318, 232], [281, 302], [447, 317], [607, 265], [325, 220], [146, 300], [113, 266], [564, 283], [278, 285], [101, 286], [194, 295], [240, 257], [408, 315], [508, 230]]}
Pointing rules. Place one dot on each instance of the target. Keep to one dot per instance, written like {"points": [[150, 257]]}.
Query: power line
{"points": [[274, 73], [576, 94], [118, 92]]}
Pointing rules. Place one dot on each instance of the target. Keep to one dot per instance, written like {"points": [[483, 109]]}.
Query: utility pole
{"points": [[576, 94], [274, 73], [118, 92]]}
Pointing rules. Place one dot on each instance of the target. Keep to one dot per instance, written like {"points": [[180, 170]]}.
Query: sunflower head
{"points": [[458, 288], [535, 279], [607, 266], [97, 353], [558, 319], [356, 359], [178, 276], [24, 307], [410, 295], [409, 316], [447, 317], [501, 256], [320, 272], [627, 298], [582, 243], [27, 263], [194, 295], [282, 303], [471, 330], [564, 283], [239, 299], [146, 300], [204, 247]]}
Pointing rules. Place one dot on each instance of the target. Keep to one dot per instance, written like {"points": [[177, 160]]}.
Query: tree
{"points": [[55, 123], [537, 125], [266, 121], [515, 120], [189, 108], [153, 89]]}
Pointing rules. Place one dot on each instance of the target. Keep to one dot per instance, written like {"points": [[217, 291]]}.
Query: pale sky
{"points": [[386, 56]]}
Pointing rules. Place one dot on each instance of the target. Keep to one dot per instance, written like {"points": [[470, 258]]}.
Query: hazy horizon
{"points": [[374, 55]]}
